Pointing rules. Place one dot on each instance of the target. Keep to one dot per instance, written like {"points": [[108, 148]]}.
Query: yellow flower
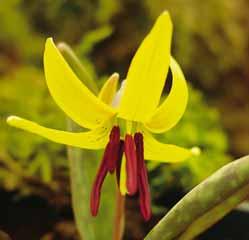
{"points": [[134, 110]]}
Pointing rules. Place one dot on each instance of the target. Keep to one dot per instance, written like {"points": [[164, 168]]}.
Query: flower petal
{"points": [[147, 72], [109, 89], [171, 110], [94, 139], [157, 151], [74, 98]]}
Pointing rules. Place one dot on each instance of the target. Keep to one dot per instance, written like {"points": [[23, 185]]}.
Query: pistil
{"points": [[119, 162]]}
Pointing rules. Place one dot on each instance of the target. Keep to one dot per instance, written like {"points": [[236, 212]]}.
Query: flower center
{"points": [[137, 179]]}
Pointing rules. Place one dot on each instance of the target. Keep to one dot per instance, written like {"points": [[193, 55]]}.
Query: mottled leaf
{"points": [[205, 204]]}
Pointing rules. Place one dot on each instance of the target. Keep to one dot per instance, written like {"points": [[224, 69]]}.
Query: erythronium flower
{"points": [[121, 122]]}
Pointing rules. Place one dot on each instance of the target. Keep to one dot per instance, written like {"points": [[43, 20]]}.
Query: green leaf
{"points": [[83, 167], [80, 189], [206, 203]]}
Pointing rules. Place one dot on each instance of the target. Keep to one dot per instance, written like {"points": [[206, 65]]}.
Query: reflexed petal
{"points": [[147, 72], [94, 139], [157, 151], [109, 89], [171, 110], [74, 98]]}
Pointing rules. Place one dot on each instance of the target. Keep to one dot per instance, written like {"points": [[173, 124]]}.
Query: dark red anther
{"points": [[143, 184], [113, 149], [112, 155], [96, 189], [144, 195], [138, 138], [119, 162], [131, 164]]}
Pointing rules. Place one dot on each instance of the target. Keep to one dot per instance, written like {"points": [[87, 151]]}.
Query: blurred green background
{"points": [[210, 41]]}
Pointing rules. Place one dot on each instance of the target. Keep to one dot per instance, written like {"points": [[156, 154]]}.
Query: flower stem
{"points": [[119, 216]]}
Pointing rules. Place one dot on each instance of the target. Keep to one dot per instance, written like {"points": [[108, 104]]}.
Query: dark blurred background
{"points": [[210, 41]]}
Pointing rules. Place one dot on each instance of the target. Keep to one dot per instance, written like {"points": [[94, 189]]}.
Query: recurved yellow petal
{"points": [[94, 139], [74, 98], [168, 153], [171, 110], [147, 72], [109, 89]]}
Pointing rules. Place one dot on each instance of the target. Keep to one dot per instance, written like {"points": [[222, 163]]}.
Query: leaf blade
{"points": [[206, 203]]}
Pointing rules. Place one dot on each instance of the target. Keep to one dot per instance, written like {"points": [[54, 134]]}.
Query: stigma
{"points": [[132, 148]]}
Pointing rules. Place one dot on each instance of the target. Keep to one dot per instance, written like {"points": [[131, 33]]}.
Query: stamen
{"points": [[131, 164], [98, 182], [138, 138], [143, 185], [144, 195], [112, 156], [113, 149]]}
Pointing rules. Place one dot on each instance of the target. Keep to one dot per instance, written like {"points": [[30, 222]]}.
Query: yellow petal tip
{"points": [[49, 39], [12, 120], [115, 75], [49, 43], [114, 79], [196, 151], [165, 16], [165, 12]]}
